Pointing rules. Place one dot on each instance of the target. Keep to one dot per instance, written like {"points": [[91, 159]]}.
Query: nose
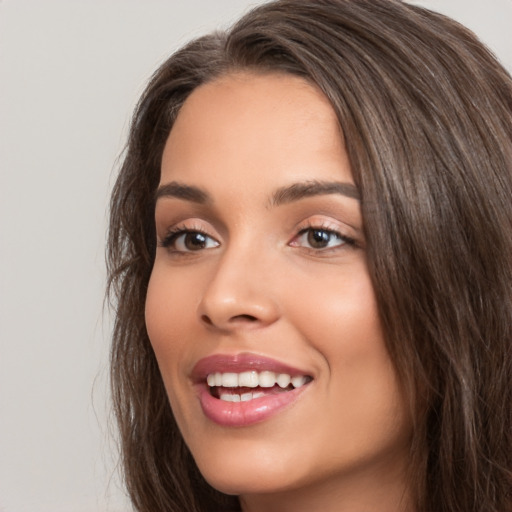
{"points": [[240, 294]]}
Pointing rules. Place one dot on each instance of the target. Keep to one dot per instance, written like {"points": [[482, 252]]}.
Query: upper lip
{"points": [[240, 363]]}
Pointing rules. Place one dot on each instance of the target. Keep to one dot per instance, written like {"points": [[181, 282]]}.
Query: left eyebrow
{"points": [[298, 191]]}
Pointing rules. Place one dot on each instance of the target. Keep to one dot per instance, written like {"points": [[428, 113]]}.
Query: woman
{"points": [[309, 250]]}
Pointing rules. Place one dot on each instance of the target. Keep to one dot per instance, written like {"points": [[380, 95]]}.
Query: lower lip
{"points": [[242, 414]]}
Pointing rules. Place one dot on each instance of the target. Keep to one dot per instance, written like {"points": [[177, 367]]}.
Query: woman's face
{"points": [[260, 308]]}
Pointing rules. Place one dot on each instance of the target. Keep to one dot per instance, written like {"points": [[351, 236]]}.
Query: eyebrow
{"points": [[185, 192], [306, 189], [283, 195]]}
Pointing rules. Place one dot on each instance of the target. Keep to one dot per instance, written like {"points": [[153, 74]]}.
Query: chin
{"points": [[253, 471]]}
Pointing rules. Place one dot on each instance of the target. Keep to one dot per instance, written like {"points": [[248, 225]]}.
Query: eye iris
{"points": [[195, 241], [318, 238]]}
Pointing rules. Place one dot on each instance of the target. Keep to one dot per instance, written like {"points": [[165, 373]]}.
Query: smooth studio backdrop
{"points": [[70, 74]]}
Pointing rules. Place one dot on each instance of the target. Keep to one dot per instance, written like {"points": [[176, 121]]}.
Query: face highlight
{"points": [[260, 307]]}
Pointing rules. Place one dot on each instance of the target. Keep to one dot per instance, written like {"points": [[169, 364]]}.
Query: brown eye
{"points": [[319, 238], [195, 241], [189, 241]]}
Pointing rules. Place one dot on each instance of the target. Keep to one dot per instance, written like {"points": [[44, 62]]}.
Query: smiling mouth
{"points": [[250, 385]]}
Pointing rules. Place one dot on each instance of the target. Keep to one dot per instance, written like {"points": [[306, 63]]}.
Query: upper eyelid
{"points": [[188, 221], [324, 223], [175, 229], [172, 212], [179, 229], [185, 224], [320, 224], [210, 229]]}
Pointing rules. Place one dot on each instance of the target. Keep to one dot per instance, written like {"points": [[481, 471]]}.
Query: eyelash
{"points": [[175, 233], [312, 227]]}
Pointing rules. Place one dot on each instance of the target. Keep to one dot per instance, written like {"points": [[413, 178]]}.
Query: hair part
{"points": [[426, 115]]}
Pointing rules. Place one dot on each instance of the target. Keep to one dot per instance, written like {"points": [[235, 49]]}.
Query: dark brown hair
{"points": [[426, 113]]}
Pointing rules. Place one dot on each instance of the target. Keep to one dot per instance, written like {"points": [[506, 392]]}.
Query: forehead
{"points": [[277, 126], [274, 94]]}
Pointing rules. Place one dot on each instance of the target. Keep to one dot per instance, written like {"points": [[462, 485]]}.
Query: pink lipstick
{"points": [[244, 389]]}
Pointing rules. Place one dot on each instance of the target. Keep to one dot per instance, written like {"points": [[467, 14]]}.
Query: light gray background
{"points": [[70, 73]]}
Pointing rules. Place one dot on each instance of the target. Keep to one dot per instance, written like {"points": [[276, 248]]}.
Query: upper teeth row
{"points": [[253, 379]]}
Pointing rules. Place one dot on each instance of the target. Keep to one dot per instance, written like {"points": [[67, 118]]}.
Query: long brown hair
{"points": [[426, 113]]}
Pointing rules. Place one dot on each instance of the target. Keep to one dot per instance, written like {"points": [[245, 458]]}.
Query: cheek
{"points": [[339, 315], [342, 323], [168, 306]]}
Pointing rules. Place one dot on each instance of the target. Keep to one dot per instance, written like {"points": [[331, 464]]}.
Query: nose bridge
{"points": [[240, 291]]}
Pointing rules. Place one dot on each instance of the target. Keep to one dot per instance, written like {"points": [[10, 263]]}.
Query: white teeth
{"points": [[299, 381], [230, 398], [267, 379], [230, 380], [248, 379], [244, 397], [253, 379], [283, 379]]}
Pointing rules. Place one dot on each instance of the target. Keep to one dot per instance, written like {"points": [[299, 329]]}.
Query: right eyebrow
{"points": [[182, 191]]}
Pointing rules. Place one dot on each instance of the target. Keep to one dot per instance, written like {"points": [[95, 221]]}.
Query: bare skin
{"points": [[265, 254]]}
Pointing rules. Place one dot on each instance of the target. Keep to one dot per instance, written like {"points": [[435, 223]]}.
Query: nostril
{"points": [[206, 319], [248, 318], [234, 319]]}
